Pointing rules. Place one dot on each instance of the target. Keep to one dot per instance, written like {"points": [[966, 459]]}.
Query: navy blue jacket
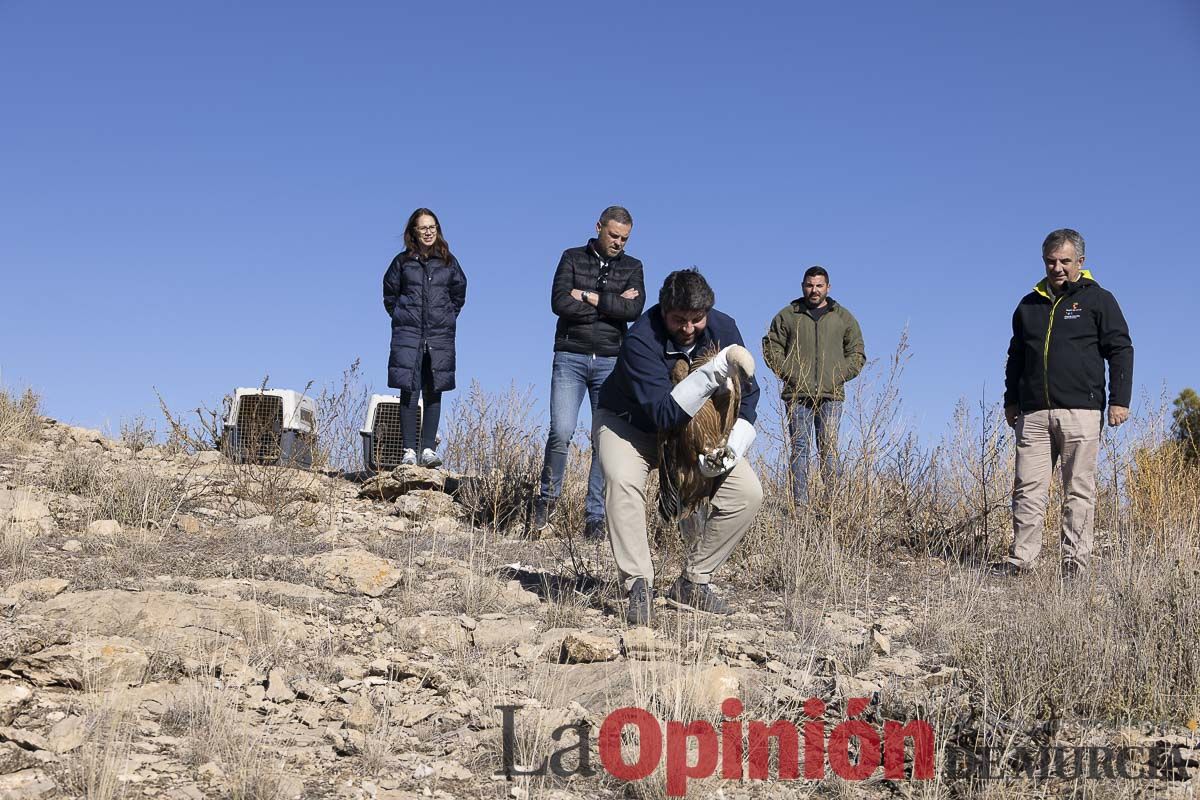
{"points": [[423, 299], [639, 387]]}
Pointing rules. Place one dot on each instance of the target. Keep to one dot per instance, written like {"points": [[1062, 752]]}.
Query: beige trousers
{"points": [[1043, 438], [626, 457]]}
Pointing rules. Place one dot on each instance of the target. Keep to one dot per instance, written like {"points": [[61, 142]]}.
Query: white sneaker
{"points": [[409, 459], [430, 459]]}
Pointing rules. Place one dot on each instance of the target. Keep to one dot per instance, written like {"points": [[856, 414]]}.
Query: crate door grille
{"points": [[259, 427], [387, 436]]}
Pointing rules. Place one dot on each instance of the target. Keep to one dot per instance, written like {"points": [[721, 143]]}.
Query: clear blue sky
{"points": [[193, 195]]}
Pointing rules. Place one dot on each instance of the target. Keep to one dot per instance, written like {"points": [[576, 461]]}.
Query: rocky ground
{"points": [[177, 626]]}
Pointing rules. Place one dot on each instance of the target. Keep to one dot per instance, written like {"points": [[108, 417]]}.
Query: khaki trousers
{"points": [[626, 457], [1043, 438]]}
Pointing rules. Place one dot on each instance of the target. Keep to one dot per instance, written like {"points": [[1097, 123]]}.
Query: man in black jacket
{"points": [[598, 290], [1063, 333]]}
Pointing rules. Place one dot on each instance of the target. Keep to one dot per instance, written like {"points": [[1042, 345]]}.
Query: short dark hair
{"points": [[814, 271], [1062, 236], [615, 214], [686, 290]]}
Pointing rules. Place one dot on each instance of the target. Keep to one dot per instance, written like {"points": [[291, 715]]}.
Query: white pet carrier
{"points": [[270, 426], [382, 435]]}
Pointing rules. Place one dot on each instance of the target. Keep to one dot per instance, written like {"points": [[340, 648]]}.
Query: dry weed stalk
{"points": [[492, 441], [20, 415]]}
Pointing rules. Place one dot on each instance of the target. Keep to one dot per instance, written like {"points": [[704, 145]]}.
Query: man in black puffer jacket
{"points": [[598, 290], [1063, 333]]}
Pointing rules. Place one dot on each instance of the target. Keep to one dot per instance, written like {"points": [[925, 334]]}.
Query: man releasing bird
{"points": [[641, 406]]}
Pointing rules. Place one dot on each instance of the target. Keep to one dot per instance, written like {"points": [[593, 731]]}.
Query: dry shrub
{"points": [[20, 415], [137, 434], [493, 442], [1119, 647], [341, 411], [207, 720], [1163, 486], [16, 542], [135, 496], [94, 770]]}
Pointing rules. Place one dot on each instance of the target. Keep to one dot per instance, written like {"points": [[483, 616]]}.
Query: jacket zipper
{"points": [[1046, 352]]}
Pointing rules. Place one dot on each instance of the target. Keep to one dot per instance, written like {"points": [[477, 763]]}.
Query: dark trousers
{"points": [[432, 401]]}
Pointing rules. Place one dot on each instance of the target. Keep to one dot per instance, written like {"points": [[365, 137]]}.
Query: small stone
{"points": [[361, 716], [13, 698], [72, 546], [187, 523], [278, 689], [42, 589], [27, 784], [587, 648], [67, 735], [104, 527], [880, 643]]}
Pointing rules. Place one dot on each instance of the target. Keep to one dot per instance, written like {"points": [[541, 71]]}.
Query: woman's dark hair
{"points": [[412, 244], [686, 290]]}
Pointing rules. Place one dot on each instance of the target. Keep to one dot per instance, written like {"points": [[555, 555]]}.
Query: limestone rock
{"points": [[86, 663], [13, 699], [186, 623], [423, 505], [351, 570], [67, 734], [587, 648], [37, 590], [104, 527], [444, 634], [702, 688], [401, 481], [500, 634], [188, 523], [278, 689], [28, 784], [14, 758], [641, 643], [25, 511]]}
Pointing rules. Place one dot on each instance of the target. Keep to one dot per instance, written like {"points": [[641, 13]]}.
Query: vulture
{"points": [[682, 487]]}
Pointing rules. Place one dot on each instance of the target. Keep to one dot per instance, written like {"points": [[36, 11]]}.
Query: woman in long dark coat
{"points": [[423, 291]]}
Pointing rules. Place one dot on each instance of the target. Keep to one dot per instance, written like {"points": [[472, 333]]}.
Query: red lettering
{"points": [[649, 744], [868, 749], [814, 739], [785, 734], [678, 769], [894, 738], [731, 739]]}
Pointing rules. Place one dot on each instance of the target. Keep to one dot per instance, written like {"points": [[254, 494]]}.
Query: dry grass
{"points": [[212, 729], [20, 415], [492, 441], [136, 496]]}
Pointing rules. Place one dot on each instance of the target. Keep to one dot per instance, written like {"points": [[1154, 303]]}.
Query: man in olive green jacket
{"points": [[814, 345]]}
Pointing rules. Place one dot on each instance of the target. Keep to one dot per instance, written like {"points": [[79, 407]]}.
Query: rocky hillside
{"points": [[177, 626]]}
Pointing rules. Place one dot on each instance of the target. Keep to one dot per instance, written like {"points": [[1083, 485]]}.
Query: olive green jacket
{"points": [[814, 358]]}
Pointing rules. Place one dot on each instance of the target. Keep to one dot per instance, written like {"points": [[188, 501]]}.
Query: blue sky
{"points": [[195, 195]]}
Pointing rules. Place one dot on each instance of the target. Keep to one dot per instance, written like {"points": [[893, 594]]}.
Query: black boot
{"points": [[640, 599], [543, 509]]}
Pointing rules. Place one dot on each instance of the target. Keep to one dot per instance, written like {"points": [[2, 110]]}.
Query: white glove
{"points": [[721, 462], [691, 392]]}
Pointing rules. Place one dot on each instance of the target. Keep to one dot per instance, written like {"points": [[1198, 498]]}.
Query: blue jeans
{"points": [[571, 377], [823, 416]]}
